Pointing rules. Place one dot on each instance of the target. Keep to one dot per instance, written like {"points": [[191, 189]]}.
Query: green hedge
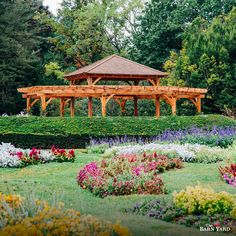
{"points": [[76, 132]]}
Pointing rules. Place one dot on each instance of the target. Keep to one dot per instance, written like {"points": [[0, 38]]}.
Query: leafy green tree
{"points": [[163, 23], [86, 31], [208, 60]]}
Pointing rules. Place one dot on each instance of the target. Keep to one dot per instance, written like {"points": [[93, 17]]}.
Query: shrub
{"points": [[51, 220], [126, 174], [198, 200], [193, 207], [77, 132]]}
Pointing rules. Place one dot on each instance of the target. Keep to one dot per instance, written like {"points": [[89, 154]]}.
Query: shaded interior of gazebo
{"points": [[112, 68]]}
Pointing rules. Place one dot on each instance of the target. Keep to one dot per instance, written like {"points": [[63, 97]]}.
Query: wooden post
{"points": [[135, 106], [157, 102], [173, 106], [104, 102], [158, 81], [199, 107], [72, 82], [43, 104], [89, 81], [122, 104], [72, 107], [62, 107], [90, 107], [28, 104]]}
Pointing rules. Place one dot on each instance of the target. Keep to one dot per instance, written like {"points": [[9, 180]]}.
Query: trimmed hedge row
{"points": [[46, 141], [76, 132]]}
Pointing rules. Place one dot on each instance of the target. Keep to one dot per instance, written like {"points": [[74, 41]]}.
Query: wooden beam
{"points": [[90, 107], [96, 81], [167, 99], [72, 107], [197, 102], [49, 100], [151, 81], [157, 103], [35, 100], [109, 98]]}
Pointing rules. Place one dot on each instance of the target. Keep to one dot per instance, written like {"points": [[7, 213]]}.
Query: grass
{"points": [[59, 179]]}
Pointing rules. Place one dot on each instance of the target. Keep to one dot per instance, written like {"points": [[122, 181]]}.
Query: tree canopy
{"points": [[163, 23], [208, 59]]}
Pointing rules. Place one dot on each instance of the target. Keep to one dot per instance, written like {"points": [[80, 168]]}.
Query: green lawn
{"points": [[59, 180]]}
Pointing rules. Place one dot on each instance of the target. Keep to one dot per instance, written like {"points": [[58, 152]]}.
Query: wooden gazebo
{"points": [[112, 68]]}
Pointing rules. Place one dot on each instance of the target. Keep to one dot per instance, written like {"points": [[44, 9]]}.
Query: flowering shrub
{"points": [[127, 174], [187, 152], [228, 173], [40, 218], [198, 200], [194, 206], [11, 156]]}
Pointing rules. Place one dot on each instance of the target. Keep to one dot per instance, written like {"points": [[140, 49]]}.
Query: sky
{"points": [[53, 5]]}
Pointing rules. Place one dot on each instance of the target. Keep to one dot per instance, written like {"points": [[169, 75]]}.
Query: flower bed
{"points": [[193, 207], [33, 217], [127, 174], [187, 152], [214, 136], [16, 157], [228, 173]]}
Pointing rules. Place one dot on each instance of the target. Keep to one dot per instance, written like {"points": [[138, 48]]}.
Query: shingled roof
{"points": [[117, 66]]}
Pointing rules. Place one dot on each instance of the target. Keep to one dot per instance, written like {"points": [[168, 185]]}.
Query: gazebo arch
{"points": [[112, 68]]}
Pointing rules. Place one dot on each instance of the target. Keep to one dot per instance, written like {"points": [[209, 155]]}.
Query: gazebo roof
{"points": [[115, 66]]}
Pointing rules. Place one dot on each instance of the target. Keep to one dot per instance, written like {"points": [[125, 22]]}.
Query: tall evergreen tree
{"points": [[19, 45]]}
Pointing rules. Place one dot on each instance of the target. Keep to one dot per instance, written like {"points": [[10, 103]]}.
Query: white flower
{"points": [[9, 157], [187, 152]]}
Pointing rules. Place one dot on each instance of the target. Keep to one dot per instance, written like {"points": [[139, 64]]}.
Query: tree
{"points": [[208, 60], [19, 45], [86, 31], [163, 23]]}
